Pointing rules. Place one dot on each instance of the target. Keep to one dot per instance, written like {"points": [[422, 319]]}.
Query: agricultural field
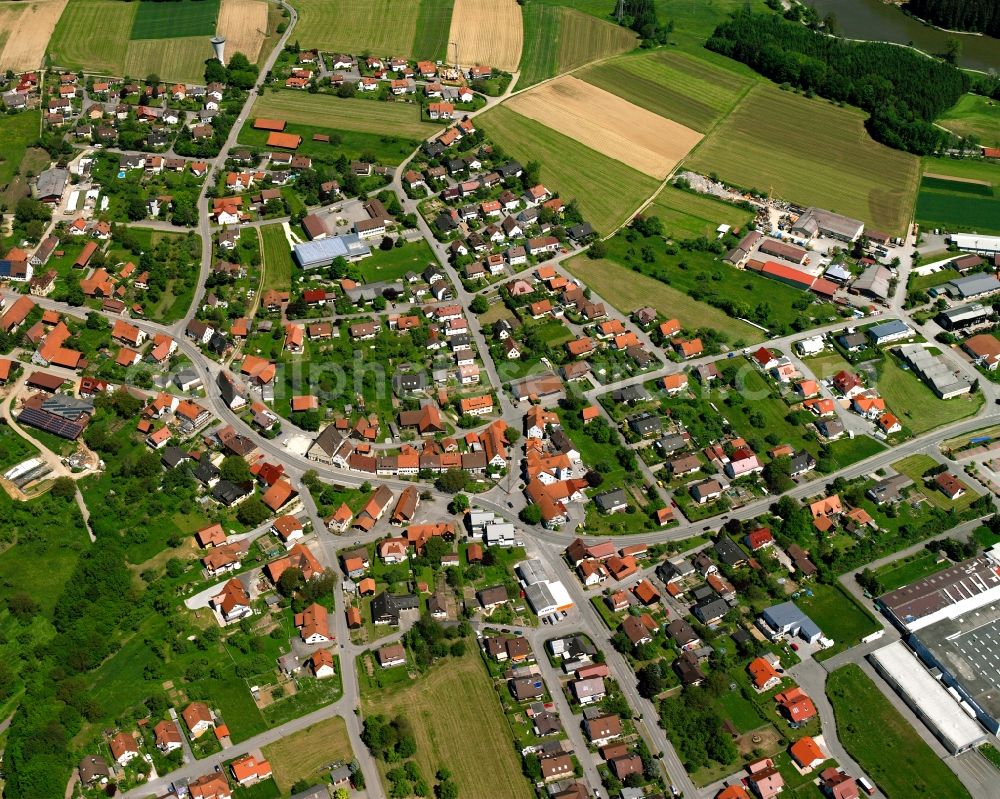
{"points": [[917, 407], [172, 59], [470, 738], [175, 20], [628, 290], [958, 203], [883, 743], [364, 116], [278, 263], [559, 39], [607, 191], [686, 215], [25, 29], [93, 34], [487, 32], [974, 115], [304, 755], [168, 39], [385, 27], [674, 85], [244, 23], [608, 124], [813, 153]]}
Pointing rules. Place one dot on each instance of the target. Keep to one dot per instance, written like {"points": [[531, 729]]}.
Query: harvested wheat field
{"points": [[27, 28], [244, 24], [608, 124], [488, 32]]}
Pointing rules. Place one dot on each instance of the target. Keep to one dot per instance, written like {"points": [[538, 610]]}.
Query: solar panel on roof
{"points": [[50, 423]]}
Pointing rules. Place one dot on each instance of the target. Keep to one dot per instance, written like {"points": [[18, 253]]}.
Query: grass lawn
{"points": [[324, 110], [628, 290], [13, 448], [687, 215], [470, 737], [180, 18], [838, 616], [847, 451], [917, 407], [823, 157], [883, 742], [558, 38], [304, 754], [827, 365], [915, 465], [277, 258], [907, 570], [739, 711], [353, 144], [974, 115], [393, 264], [930, 280], [672, 84], [607, 191], [18, 131]]}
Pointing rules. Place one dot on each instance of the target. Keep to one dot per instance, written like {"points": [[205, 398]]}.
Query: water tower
{"points": [[219, 46]]}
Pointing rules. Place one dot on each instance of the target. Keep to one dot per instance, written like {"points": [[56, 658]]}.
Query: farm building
{"points": [[818, 222], [973, 287], [286, 141]]}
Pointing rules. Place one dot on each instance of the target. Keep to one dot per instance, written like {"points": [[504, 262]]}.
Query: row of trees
{"points": [[903, 90]]}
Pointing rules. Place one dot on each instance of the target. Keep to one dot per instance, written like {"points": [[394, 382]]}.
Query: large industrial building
{"points": [[942, 711], [322, 252], [951, 620]]}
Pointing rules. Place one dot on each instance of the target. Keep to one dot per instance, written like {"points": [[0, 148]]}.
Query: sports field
{"points": [[304, 755], [468, 737], [883, 742], [974, 115], [487, 32], [628, 290], [413, 28], [558, 39], [607, 123], [959, 203], [607, 191], [25, 29], [175, 19], [686, 215], [693, 92], [813, 153], [323, 110]]}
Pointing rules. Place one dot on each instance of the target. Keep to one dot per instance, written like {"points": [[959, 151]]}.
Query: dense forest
{"points": [[978, 16], [902, 90]]}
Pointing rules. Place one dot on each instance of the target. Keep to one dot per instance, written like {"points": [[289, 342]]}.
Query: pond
{"points": [[876, 20]]}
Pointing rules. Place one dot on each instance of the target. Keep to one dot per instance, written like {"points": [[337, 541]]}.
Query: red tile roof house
{"points": [[763, 674], [764, 779], [249, 770], [168, 736], [796, 705], [198, 718], [124, 749]]}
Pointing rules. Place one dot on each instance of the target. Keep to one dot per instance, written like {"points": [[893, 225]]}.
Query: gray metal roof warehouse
{"points": [[322, 251], [972, 286]]}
